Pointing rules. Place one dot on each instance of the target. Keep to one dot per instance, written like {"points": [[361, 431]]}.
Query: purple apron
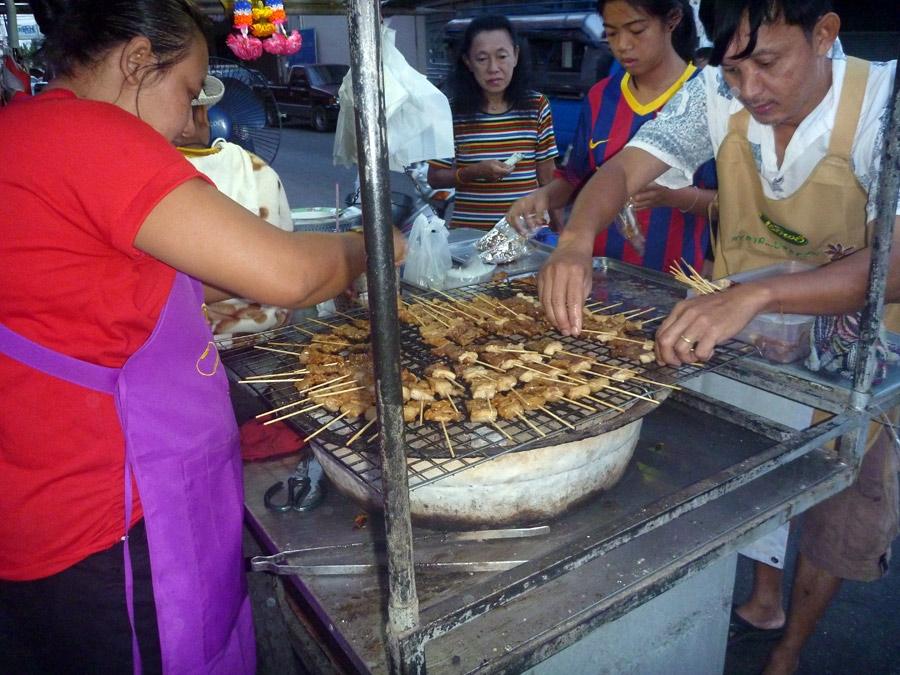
{"points": [[182, 447]]}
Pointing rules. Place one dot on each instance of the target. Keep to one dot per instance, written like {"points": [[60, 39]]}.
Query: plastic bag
{"points": [[427, 253], [417, 114], [503, 244], [627, 225]]}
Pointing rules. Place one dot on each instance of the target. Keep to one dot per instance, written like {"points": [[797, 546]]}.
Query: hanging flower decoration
{"points": [[246, 47], [279, 41], [262, 22], [260, 26]]}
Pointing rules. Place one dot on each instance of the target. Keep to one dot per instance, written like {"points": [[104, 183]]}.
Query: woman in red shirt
{"points": [[120, 495]]}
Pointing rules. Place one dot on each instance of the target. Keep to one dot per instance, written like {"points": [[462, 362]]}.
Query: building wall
{"points": [[333, 43]]}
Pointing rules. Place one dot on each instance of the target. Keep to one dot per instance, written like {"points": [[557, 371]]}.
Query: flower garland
{"points": [[260, 27]]}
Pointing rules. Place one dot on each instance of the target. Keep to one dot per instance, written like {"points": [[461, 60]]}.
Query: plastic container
{"points": [[782, 338]]}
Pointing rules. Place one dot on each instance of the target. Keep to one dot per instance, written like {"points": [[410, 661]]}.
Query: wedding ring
{"points": [[690, 341]]}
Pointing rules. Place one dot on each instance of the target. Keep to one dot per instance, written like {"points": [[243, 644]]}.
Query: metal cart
{"points": [[562, 596]]}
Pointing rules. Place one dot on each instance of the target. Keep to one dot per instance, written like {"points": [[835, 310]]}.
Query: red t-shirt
{"points": [[77, 180]]}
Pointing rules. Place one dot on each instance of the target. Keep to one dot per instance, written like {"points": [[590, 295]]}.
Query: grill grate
{"points": [[428, 456]]}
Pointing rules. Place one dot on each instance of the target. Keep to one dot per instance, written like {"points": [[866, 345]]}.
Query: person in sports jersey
{"points": [[654, 41], [503, 131]]}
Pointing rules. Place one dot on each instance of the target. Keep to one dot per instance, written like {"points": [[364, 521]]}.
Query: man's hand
{"points": [[696, 325], [653, 196], [527, 213], [565, 281]]}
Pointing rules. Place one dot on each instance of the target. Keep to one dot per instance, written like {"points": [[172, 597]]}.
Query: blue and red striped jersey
{"points": [[610, 116]]}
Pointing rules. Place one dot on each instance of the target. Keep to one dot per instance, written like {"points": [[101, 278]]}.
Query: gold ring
{"points": [[690, 341]]}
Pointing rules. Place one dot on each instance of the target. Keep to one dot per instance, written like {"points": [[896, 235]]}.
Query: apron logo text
{"points": [[782, 232]]}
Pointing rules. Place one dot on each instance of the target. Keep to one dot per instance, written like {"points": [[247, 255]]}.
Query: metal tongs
{"points": [[285, 563]]}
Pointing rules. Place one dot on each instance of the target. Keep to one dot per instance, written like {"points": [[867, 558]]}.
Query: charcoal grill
{"points": [[429, 459]]}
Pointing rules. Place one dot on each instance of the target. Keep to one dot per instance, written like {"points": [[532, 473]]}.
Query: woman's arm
{"points": [[199, 231]]}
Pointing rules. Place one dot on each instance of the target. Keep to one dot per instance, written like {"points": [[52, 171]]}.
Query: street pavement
{"points": [[860, 632], [304, 162]]}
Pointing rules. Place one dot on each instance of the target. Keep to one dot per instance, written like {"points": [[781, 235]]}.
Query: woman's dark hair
{"points": [[684, 37], [465, 92], [725, 17], [79, 32]]}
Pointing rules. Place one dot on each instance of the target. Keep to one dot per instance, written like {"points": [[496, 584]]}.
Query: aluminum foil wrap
{"points": [[502, 244]]}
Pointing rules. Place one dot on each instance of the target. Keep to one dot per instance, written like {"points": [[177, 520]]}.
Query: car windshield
{"points": [[322, 75]]}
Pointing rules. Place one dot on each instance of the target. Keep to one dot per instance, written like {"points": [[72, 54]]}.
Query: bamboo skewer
{"points": [[629, 315], [612, 336], [296, 412], [602, 309], [324, 427], [302, 371], [447, 438], [274, 381], [652, 318], [500, 429], [532, 425], [557, 418], [361, 431], [279, 351], [580, 405], [606, 403]]}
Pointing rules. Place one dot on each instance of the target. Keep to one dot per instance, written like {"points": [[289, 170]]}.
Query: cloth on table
{"points": [[260, 442]]}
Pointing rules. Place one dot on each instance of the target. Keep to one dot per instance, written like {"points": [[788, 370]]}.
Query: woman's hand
{"points": [[696, 325], [399, 246], [489, 170]]}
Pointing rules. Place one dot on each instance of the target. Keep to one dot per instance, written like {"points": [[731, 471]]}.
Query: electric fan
{"points": [[248, 112]]}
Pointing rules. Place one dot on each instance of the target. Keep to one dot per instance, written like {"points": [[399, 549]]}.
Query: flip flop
{"points": [[739, 630]]}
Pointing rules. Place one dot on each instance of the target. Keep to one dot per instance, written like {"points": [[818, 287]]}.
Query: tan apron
{"points": [[822, 221]]}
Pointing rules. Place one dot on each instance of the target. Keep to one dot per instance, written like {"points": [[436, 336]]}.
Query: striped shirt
{"points": [[484, 136], [610, 117]]}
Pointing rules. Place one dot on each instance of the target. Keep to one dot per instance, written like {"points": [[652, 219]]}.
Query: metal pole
{"points": [[12, 25], [364, 23], [870, 321]]}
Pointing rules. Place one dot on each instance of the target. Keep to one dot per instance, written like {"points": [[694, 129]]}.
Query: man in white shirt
{"points": [[796, 129]]}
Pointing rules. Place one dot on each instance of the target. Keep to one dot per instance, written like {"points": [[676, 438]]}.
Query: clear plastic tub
{"points": [[779, 337]]}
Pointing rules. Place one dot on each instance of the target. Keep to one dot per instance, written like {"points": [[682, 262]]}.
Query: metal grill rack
{"points": [[428, 455]]}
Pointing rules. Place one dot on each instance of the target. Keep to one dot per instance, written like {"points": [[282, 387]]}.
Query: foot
{"points": [[762, 616], [782, 661]]}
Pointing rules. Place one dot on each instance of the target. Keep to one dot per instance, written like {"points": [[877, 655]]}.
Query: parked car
{"points": [[310, 94]]}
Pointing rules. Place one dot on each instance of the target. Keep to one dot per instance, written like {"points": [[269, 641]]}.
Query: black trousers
{"points": [[77, 621]]}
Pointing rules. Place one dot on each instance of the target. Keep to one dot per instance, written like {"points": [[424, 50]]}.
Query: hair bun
{"points": [[48, 13]]}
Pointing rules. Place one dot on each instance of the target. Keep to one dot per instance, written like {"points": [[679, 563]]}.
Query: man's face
{"points": [[787, 74]]}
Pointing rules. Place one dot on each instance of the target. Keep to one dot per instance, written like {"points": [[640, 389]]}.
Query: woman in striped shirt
{"points": [[503, 132]]}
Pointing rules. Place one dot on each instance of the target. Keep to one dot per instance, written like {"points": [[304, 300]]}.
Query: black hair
{"points": [[726, 15], [465, 92], [79, 32], [684, 37]]}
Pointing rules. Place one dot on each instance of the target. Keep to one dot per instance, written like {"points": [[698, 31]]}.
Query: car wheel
{"points": [[320, 120]]}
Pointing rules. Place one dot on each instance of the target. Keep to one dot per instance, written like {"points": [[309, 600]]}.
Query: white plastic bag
{"points": [[417, 114], [427, 253]]}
